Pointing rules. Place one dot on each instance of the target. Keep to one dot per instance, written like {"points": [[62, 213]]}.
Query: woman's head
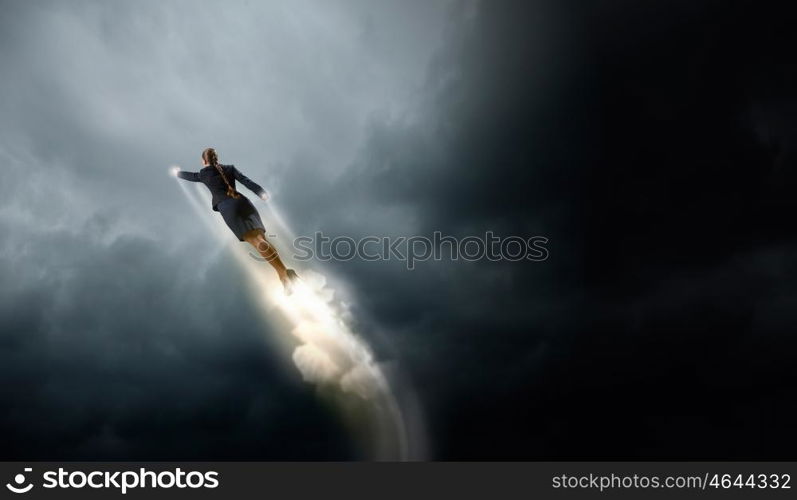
{"points": [[209, 157]]}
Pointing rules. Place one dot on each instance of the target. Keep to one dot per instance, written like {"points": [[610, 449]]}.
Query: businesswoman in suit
{"points": [[238, 212]]}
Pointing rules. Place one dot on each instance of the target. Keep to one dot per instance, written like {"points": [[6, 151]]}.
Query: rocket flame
{"points": [[321, 344]]}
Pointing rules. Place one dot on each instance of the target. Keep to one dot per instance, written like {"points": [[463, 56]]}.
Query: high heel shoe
{"points": [[289, 280]]}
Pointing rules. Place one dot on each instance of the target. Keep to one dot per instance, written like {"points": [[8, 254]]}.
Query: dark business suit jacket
{"points": [[211, 178]]}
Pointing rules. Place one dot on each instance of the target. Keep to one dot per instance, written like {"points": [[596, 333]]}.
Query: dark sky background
{"points": [[651, 142]]}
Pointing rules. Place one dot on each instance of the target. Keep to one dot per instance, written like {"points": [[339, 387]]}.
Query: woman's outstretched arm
{"points": [[187, 176], [249, 183]]}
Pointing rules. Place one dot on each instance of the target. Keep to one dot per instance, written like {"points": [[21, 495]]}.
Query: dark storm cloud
{"points": [[652, 145], [651, 142], [126, 331], [98, 362]]}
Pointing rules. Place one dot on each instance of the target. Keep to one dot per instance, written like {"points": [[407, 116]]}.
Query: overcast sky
{"points": [[118, 312], [652, 143]]}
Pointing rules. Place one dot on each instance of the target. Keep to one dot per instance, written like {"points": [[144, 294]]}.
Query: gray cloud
{"points": [[651, 145], [646, 149], [126, 332]]}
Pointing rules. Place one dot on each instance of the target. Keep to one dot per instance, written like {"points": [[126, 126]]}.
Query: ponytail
{"points": [[210, 156]]}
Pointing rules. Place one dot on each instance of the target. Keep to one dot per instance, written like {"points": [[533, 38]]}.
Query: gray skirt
{"points": [[240, 215]]}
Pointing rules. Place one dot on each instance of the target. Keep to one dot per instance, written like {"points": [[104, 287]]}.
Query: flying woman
{"points": [[238, 212]]}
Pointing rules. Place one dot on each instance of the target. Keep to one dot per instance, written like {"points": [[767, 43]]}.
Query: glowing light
{"points": [[319, 341]]}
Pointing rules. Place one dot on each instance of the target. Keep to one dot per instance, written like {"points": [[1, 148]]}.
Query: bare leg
{"points": [[266, 250]]}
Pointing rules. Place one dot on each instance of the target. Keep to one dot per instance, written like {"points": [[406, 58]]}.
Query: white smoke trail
{"points": [[321, 344]]}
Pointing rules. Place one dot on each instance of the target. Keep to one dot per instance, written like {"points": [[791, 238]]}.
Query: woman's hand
{"points": [[174, 170], [264, 196]]}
